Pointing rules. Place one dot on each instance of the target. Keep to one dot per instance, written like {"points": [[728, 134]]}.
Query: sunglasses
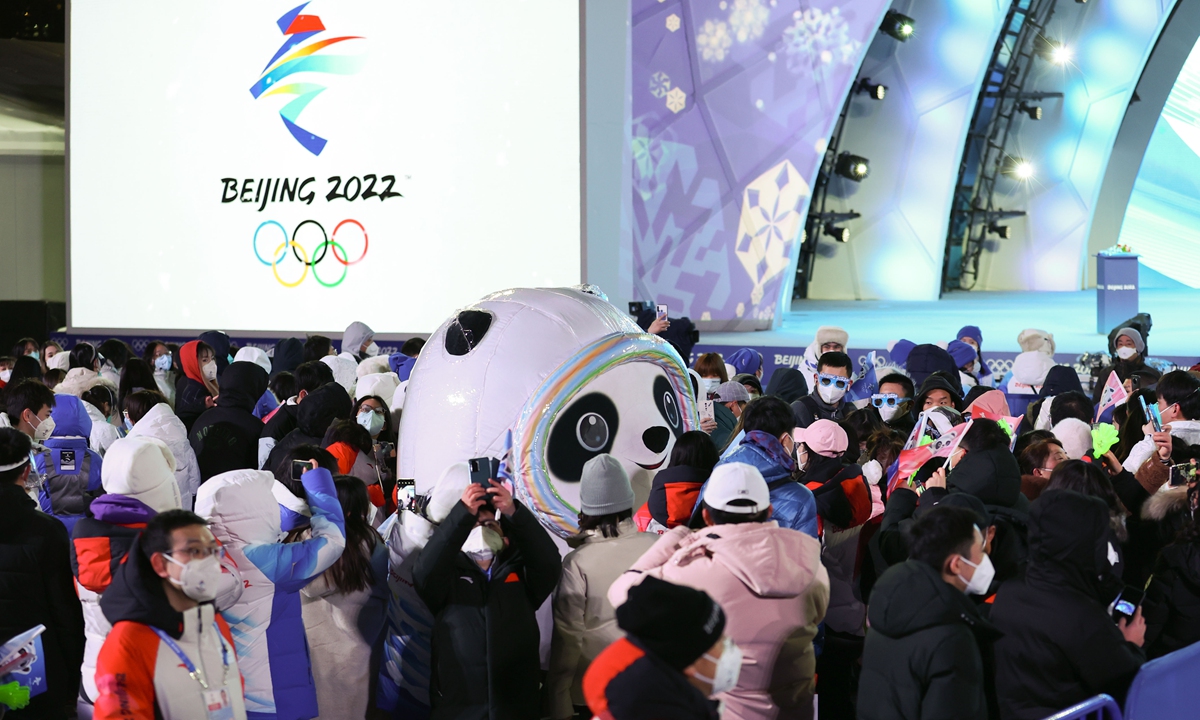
{"points": [[886, 400], [837, 381]]}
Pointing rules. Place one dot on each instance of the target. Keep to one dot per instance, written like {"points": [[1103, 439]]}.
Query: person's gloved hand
{"points": [[872, 471]]}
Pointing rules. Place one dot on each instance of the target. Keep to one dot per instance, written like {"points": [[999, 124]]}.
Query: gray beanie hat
{"points": [[604, 487], [1135, 336]]}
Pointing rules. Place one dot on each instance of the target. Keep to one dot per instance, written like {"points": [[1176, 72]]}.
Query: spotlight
{"points": [[1003, 231], [1033, 111], [840, 234], [1051, 50], [1018, 168], [852, 167], [898, 25], [875, 91]]}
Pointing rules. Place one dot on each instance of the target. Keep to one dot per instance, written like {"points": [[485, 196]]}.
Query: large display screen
{"points": [[1162, 222], [273, 166]]}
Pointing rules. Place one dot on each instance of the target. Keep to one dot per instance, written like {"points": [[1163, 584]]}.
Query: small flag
{"points": [[914, 439], [504, 473], [1114, 394], [1008, 422], [911, 459], [867, 385]]}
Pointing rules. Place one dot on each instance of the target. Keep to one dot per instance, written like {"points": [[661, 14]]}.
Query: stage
{"points": [[1070, 316]]}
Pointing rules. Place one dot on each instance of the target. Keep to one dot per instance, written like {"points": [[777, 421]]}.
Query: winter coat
{"points": [[627, 682], [103, 433], [320, 409], [793, 505], [812, 408], [225, 437], [994, 477], [584, 620], [289, 353], [485, 636], [99, 544], [774, 590], [342, 631], [936, 381], [673, 494], [726, 422], [190, 398], [1172, 607], [36, 588], [138, 674], [162, 424], [787, 384], [924, 653], [356, 334], [1060, 644], [407, 657], [244, 515], [1186, 430], [79, 380], [165, 381], [1124, 369], [71, 468]]}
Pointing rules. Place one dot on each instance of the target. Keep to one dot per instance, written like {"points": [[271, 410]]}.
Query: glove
{"points": [[1104, 436], [872, 471]]}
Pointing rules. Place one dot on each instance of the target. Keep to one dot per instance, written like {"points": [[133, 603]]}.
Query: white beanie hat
{"points": [[1075, 436], [447, 492], [373, 365], [345, 371], [254, 355], [142, 468]]}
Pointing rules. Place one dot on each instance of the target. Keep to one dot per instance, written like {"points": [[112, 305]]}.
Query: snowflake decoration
{"points": [[672, 22], [770, 224], [676, 100], [660, 83], [748, 19], [713, 40], [817, 40]]}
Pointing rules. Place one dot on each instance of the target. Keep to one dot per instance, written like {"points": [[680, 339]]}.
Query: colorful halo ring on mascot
{"points": [[530, 436]]}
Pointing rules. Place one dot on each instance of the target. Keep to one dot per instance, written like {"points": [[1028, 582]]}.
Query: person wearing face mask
{"points": [[827, 399], [196, 389], [966, 358], [1128, 351], [170, 653], [893, 400], [36, 585], [158, 356], [358, 342], [1061, 645], [70, 470], [925, 650], [829, 338], [28, 407], [309, 377], [245, 516], [769, 446], [483, 575], [729, 400], [371, 412], [102, 406], [1179, 407], [83, 375], [674, 656], [973, 336], [770, 581], [711, 368], [266, 402]]}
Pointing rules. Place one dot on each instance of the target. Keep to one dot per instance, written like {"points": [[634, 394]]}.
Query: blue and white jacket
{"points": [[70, 467], [267, 626]]}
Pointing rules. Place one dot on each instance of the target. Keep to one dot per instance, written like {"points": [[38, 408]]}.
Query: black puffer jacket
{"points": [[190, 397], [37, 587], [289, 353], [924, 651], [787, 384], [1060, 644], [313, 417], [1172, 606], [485, 635], [812, 408], [226, 437], [994, 477]]}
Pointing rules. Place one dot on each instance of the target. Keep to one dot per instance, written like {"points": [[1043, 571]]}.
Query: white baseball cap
{"points": [[739, 482]]}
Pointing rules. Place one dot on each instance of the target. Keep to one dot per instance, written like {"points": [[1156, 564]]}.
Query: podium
{"points": [[1116, 289]]}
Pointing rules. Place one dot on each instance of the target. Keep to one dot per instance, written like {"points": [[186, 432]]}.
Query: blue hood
{"points": [[70, 417]]}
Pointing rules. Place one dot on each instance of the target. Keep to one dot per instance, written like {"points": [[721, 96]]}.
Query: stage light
{"points": [[852, 167], [1003, 231], [1052, 50], [1033, 111], [1018, 168], [840, 234], [875, 91], [898, 25]]}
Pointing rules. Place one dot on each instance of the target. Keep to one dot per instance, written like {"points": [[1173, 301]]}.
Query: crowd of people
{"points": [[207, 531]]}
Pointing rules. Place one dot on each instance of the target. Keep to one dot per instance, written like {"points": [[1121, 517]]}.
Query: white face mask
{"points": [[371, 420], [729, 667], [162, 363], [483, 543], [982, 579], [199, 578], [44, 430], [831, 394], [209, 370], [887, 412], [5, 375], [372, 349], [1126, 352], [710, 386], [975, 368]]}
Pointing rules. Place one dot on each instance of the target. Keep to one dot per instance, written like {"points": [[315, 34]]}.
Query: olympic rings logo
{"points": [[327, 243]]}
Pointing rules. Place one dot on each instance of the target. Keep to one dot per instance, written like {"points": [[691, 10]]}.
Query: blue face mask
{"points": [[163, 362], [35, 355], [128, 423]]}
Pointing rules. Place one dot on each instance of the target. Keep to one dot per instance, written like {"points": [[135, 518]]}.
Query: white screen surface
{"points": [[472, 106]]}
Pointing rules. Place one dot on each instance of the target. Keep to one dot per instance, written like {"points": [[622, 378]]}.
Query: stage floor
{"points": [[1071, 316]]}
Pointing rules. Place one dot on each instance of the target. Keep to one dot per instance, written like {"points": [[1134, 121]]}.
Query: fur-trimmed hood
{"points": [[1167, 501]]}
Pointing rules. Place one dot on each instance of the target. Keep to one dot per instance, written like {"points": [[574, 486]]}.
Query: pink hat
{"points": [[824, 437]]}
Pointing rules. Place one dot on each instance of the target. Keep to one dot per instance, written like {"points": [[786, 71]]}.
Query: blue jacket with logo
{"points": [[793, 505], [71, 469]]}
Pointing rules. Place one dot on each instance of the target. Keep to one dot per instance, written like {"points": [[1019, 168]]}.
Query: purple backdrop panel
{"points": [[733, 104]]}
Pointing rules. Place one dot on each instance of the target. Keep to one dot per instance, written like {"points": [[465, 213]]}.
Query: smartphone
{"points": [[1151, 414], [1135, 382], [481, 471], [406, 490], [661, 310], [1182, 474], [706, 410], [299, 467], [1127, 603]]}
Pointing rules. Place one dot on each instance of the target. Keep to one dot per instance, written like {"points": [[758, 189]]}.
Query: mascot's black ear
{"points": [[467, 331]]}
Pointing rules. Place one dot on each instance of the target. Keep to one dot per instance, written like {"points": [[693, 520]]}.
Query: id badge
{"points": [[218, 704]]}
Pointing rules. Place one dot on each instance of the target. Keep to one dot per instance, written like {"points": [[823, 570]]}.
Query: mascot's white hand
{"points": [[873, 471]]}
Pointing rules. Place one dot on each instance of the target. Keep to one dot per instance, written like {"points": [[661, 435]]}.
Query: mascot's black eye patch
{"points": [[467, 331], [584, 430], [668, 404]]}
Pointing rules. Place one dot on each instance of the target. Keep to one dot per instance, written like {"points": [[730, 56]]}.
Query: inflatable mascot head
{"points": [[568, 374]]}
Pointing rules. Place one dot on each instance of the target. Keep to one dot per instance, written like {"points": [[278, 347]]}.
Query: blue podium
{"points": [[1116, 289]]}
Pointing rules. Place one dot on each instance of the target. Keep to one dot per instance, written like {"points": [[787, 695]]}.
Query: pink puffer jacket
{"points": [[774, 591]]}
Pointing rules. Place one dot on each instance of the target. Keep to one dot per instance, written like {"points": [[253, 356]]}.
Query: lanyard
{"points": [[187, 663]]}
